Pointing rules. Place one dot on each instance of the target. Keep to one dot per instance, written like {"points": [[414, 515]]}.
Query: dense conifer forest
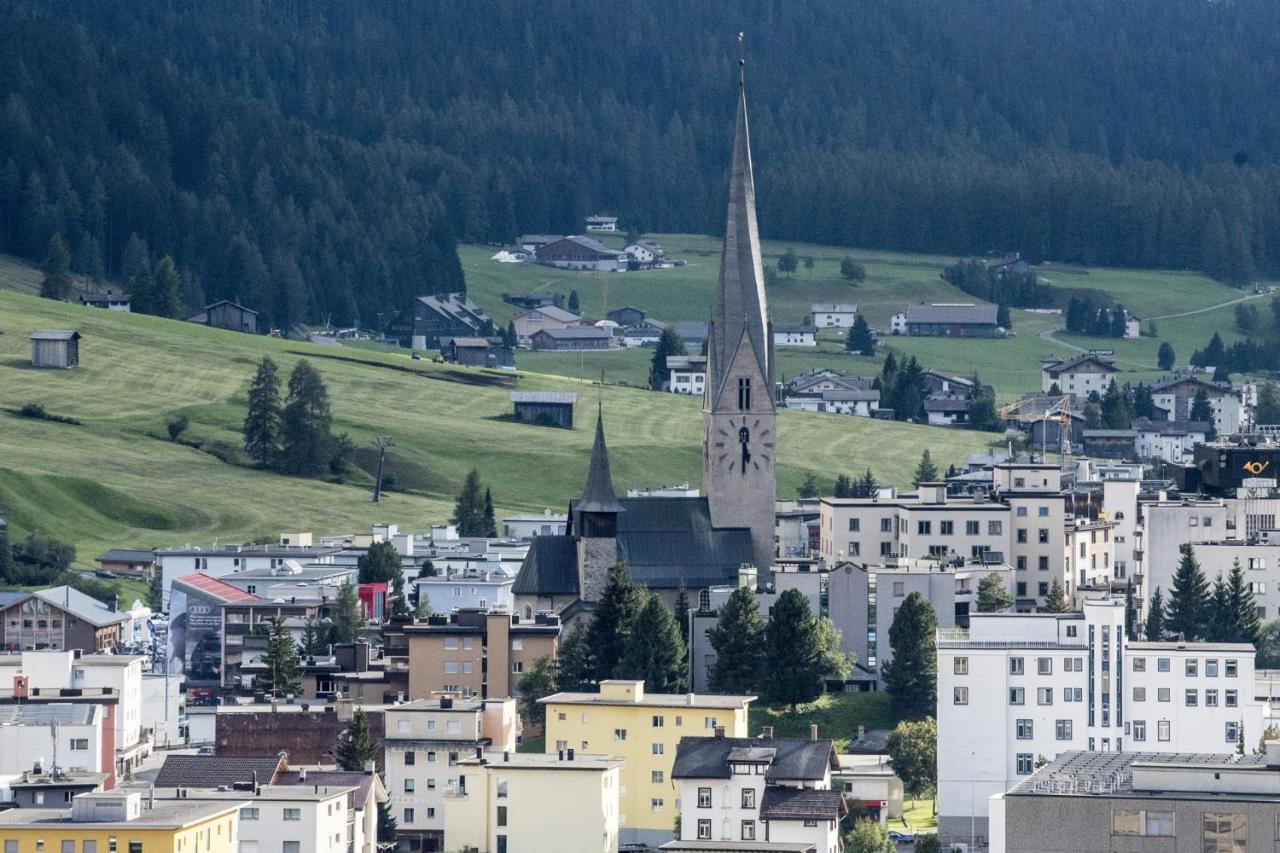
{"points": [[321, 159]]}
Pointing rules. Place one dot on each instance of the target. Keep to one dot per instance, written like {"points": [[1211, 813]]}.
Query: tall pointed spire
{"points": [[598, 494], [740, 300]]}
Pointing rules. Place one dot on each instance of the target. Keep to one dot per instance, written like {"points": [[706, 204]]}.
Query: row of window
{"points": [[748, 829], [88, 845], [1062, 729], [658, 721], [405, 727], [410, 814], [1191, 666], [748, 798], [1018, 695], [254, 813], [1042, 564], [411, 758]]}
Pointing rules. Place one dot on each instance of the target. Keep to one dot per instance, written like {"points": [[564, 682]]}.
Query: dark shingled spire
{"points": [[598, 495]]}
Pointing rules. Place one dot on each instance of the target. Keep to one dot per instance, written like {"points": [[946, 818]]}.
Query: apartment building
{"points": [[1089, 549], [749, 793], [565, 802], [281, 818], [643, 730], [102, 821], [477, 652], [35, 737], [219, 561], [1169, 526], [1021, 523], [1016, 690], [423, 742], [60, 619]]}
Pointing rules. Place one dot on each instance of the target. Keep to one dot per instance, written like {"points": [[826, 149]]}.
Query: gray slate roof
{"points": [[1105, 365], [598, 494], [127, 555], [981, 314], [574, 332], [780, 803], [74, 601], [54, 335], [793, 759], [550, 567], [210, 771], [544, 397], [691, 330]]}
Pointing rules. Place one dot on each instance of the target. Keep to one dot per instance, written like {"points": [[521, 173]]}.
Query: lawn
{"points": [[917, 816], [837, 715], [117, 481]]}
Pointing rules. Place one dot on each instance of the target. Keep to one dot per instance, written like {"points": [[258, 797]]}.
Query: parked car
{"points": [[901, 837]]}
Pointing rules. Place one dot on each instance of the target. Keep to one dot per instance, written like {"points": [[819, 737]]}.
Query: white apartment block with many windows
{"points": [[1016, 690], [284, 818]]}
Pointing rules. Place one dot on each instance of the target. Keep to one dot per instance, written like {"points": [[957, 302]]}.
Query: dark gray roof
{"points": [[230, 302], [1109, 433], [360, 782], [210, 771], [550, 567], [590, 244], [1214, 388], [54, 335], [127, 555], [797, 329], [1106, 365], [779, 803], [691, 330], [946, 404], [957, 312], [8, 597], [574, 332], [598, 494], [793, 759], [544, 397], [1171, 427]]}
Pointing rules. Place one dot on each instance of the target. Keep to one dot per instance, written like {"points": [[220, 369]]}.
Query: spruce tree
{"points": [[1242, 624], [57, 270], [575, 666], [1155, 617], [1268, 409], [1188, 606], [155, 588], [1201, 410], [356, 744], [1218, 619], [1164, 356], [926, 471], [347, 620], [682, 614], [262, 423], [613, 621], [1130, 613], [992, 595], [537, 682], [654, 652], [574, 303], [307, 444], [488, 519], [1056, 601], [387, 826], [468, 508], [142, 291], [281, 676], [668, 344], [866, 486], [738, 639], [911, 678], [166, 289], [798, 652], [843, 487], [860, 340]]}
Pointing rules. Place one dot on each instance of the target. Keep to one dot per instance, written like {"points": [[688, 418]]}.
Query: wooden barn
{"points": [[545, 408], [55, 348]]}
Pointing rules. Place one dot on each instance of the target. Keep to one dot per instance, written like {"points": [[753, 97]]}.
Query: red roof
{"points": [[225, 592]]}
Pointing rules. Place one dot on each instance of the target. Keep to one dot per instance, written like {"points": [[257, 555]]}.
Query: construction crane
{"points": [[1030, 410]]}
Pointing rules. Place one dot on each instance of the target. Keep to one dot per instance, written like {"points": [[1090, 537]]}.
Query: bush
{"points": [[39, 560], [177, 425], [37, 412]]}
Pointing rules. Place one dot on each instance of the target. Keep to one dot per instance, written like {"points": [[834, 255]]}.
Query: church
{"points": [[726, 535]]}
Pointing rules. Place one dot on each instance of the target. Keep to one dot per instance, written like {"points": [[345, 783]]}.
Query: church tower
{"points": [[595, 522], [739, 417]]}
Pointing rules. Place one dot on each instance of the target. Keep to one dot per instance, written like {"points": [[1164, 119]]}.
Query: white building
{"points": [[795, 336], [687, 374], [602, 223], [1172, 441], [162, 706], [746, 794], [69, 735], [1168, 526], [468, 589], [834, 315], [898, 323], [855, 402], [1176, 396], [218, 561], [1016, 689], [284, 818], [1089, 549], [528, 526], [1078, 376]]}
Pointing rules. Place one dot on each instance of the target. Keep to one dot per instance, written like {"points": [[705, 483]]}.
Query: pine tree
{"points": [[808, 487], [867, 486], [1165, 357], [1130, 613], [668, 344], [166, 289], [282, 676], [488, 519], [1188, 606], [57, 282], [380, 563], [1155, 617], [574, 663], [654, 651], [304, 425], [926, 471], [347, 620], [911, 677], [738, 640], [155, 588], [262, 423], [468, 508], [387, 826], [613, 620], [992, 596], [1242, 624], [797, 652], [311, 642], [682, 615], [1219, 616], [356, 745], [574, 303], [1056, 601], [860, 340], [843, 487], [537, 682], [1268, 409]]}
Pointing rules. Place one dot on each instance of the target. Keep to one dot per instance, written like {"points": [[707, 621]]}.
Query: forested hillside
{"points": [[319, 159]]}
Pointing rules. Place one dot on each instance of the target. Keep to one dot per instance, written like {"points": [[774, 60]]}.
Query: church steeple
{"points": [[598, 508], [740, 316]]}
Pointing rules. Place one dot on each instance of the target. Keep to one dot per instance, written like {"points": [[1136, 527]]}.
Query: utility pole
{"points": [[382, 443]]}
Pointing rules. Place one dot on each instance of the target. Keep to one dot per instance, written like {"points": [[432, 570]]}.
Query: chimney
{"points": [[506, 756], [813, 731], [719, 731], [302, 775], [560, 755], [479, 752], [1272, 753], [862, 732], [369, 767]]}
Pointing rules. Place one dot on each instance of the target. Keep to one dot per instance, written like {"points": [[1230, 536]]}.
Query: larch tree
{"points": [[306, 444]]}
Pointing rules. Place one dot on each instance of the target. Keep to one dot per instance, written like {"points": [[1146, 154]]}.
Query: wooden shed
{"points": [[55, 348], [545, 408]]}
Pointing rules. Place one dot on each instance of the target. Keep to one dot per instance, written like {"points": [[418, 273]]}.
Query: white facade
{"points": [[1089, 552], [1261, 564], [528, 526], [1077, 377], [837, 316], [1018, 688], [1177, 446], [688, 381], [219, 562], [898, 323], [441, 594], [27, 740], [794, 336], [1120, 503], [162, 706], [1230, 414], [278, 818]]}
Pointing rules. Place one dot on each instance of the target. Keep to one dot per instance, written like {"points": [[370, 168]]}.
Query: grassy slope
{"points": [[114, 482], [837, 715], [893, 281]]}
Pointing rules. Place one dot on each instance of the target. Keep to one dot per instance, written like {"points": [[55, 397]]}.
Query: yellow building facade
{"points": [[123, 822], [642, 730]]}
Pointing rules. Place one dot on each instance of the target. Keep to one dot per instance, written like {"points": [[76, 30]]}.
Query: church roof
{"points": [[550, 567], [598, 494]]}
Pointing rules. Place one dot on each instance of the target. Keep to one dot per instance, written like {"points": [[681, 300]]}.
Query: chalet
{"points": [[627, 316], [110, 301], [545, 408], [533, 300], [646, 332], [602, 223], [60, 619], [1177, 395], [947, 411], [795, 336], [545, 317], [1077, 376], [841, 401], [582, 254], [477, 352], [941, 384], [55, 348], [1172, 441], [531, 243], [948, 320], [686, 374], [645, 254], [1110, 443], [1011, 263], [430, 319], [230, 315], [834, 315], [128, 561], [817, 380], [577, 338]]}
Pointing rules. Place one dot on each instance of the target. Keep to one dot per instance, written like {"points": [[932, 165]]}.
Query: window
{"points": [[1062, 730], [1224, 832], [1043, 536], [87, 846], [946, 528], [1231, 669], [1211, 698], [1022, 588], [854, 549], [1233, 732], [657, 721], [451, 667], [708, 722], [886, 525], [1043, 589], [924, 528], [1073, 694], [1139, 664], [451, 643], [1025, 730], [1022, 563], [408, 789], [410, 758], [502, 789], [1162, 694], [1162, 730], [1025, 764], [886, 549], [1022, 512], [1016, 666], [704, 829], [1193, 698], [655, 776], [960, 665], [1211, 668], [748, 798], [1193, 667], [245, 846], [898, 589], [502, 816], [1126, 822], [68, 846], [1139, 694], [296, 814], [855, 525], [1044, 695], [656, 749], [79, 743], [517, 645], [1230, 697], [704, 800], [655, 804], [620, 735], [995, 528], [971, 528], [960, 696], [1016, 696], [1072, 630], [502, 843], [296, 846], [1044, 666], [249, 813], [748, 830]]}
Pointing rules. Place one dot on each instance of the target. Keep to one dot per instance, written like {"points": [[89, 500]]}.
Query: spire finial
{"points": [[742, 60]]}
